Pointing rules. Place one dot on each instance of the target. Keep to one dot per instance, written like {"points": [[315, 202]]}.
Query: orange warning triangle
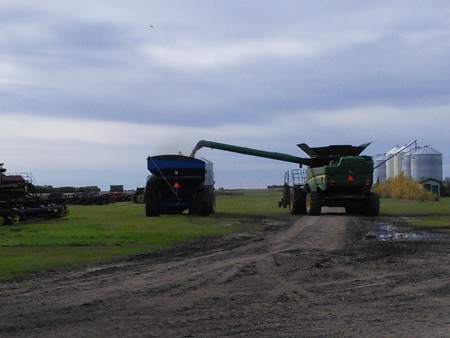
{"points": [[350, 178], [176, 185]]}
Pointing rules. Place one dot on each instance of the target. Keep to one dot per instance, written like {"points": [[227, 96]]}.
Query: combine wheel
{"points": [[151, 197], [373, 206], [203, 202], [313, 203], [298, 201]]}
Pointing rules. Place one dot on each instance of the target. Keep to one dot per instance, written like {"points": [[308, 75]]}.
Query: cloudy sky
{"points": [[89, 89]]}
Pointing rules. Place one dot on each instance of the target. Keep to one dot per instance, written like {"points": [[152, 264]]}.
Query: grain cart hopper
{"points": [[179, 183], [18, 202], [337, 176]]}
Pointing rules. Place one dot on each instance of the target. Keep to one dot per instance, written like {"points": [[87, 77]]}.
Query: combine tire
{"points": [[151, 197], [373, 206], [203, 202], [298, 202], [313, 203]]}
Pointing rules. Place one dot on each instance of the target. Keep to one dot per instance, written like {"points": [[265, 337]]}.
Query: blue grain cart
{"points": [[179, 183]]}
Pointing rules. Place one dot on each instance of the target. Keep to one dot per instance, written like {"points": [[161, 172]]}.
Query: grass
{"points": [[429, 214], [93, 234]]}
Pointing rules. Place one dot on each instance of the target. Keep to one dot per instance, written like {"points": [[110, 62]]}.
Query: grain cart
{"points": [[337, 176], [179, 183], [18, 201]]}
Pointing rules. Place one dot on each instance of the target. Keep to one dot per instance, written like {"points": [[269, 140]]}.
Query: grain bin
{"points": [[426, 162], [406, 163], [379, 173], [390, 164]]}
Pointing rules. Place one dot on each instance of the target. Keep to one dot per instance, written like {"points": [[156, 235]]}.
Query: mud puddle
{"points": [[388, 232]]}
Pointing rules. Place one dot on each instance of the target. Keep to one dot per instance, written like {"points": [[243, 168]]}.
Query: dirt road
{"points": [[325, 276]]}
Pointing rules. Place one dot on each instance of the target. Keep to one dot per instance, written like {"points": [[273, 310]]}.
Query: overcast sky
{"points": [[89, 89]]}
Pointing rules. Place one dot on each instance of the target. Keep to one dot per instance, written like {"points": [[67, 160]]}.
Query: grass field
{"points": [[93, 234], [97, 233], [435, 215]]}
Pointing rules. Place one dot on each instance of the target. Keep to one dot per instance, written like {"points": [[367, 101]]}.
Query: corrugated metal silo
{"points": [[426, 162], [379, 173], [398, 162], [390, 164], [406, 163]]}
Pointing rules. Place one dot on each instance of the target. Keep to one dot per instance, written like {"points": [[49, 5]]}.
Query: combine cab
{"points": [[337, 176], [179, 183], [18, 202]]}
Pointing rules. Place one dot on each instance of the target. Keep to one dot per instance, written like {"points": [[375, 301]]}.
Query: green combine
{"points": [[337, 176]]}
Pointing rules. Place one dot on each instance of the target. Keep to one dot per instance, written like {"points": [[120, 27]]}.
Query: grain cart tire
{"points": [[151, 198], [373, 206], [203, 202], [298, 201], [313, 203], [213, 202]]}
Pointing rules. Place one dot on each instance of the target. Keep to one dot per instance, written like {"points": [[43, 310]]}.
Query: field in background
{"points": [[92, 234], [429, 214]]}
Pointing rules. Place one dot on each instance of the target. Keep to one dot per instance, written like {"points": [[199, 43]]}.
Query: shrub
{"points": [[401, 187]]}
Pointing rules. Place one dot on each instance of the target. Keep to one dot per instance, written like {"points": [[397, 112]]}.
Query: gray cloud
{"points": [[206, 66]]}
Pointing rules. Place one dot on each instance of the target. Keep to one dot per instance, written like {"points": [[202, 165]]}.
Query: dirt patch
{"points": [[309, 276]]}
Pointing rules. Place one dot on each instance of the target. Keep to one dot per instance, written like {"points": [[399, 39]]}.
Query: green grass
{"points": [[434, 215], [93, 234]]}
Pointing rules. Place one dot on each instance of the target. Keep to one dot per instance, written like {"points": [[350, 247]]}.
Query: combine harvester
{"points": [[19, 203], [337, 176]]}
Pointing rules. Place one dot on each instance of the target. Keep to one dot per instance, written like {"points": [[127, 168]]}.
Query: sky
{"points": [[89, 89]]}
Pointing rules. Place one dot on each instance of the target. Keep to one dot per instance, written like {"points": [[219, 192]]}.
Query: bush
{"points": [[401, 187]]}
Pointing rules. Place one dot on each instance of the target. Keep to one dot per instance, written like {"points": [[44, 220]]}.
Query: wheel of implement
{"points": [[151, 197], [373, 206], [213, 202], [138, 196], [313, 203], [298, 201], [203, 202]]}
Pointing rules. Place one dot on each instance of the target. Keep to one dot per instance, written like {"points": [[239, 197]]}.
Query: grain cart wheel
{"points": [[298, 201], [151, 198], [213, 202], [313, 203], [373, 206], [203, 202]]}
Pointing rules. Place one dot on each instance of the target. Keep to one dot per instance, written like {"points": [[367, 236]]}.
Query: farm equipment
{"points": [[179, 183], [18, 202], [337, 176]]}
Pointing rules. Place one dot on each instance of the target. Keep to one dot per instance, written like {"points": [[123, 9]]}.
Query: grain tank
{"points": [[337, 176]]}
